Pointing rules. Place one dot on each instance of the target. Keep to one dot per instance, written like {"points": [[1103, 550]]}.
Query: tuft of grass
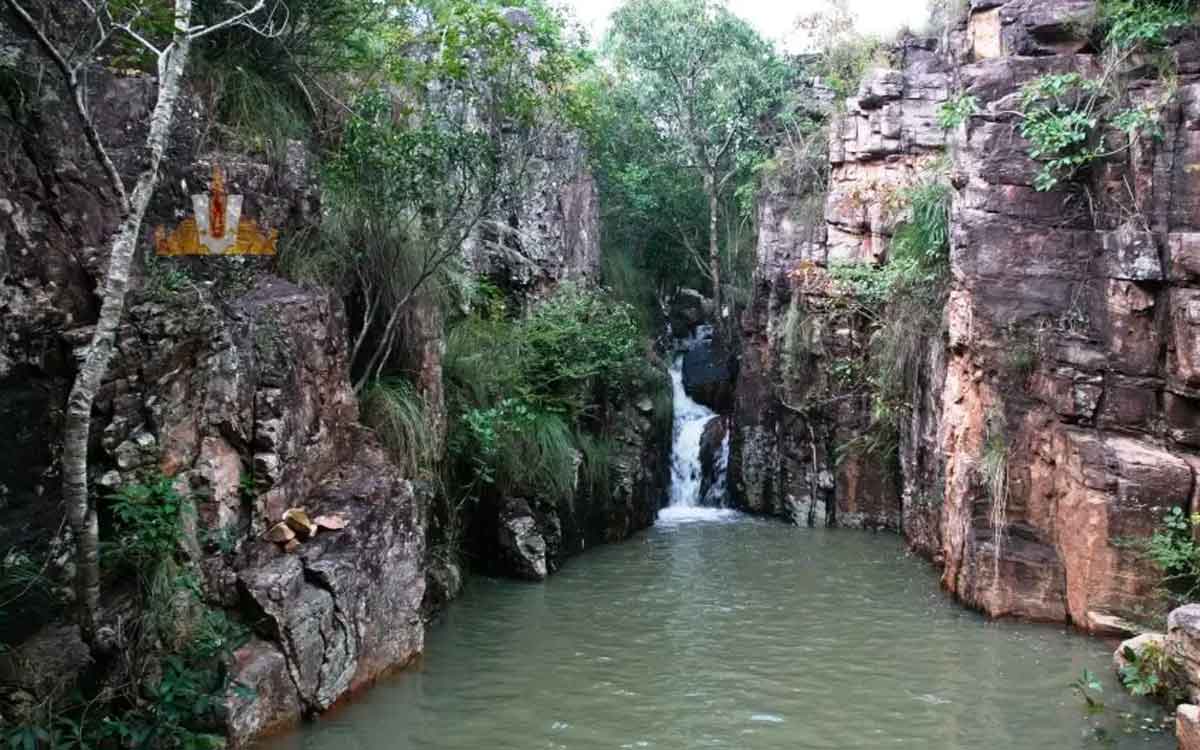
{"points": [[400, 416], [596, 466], [540, 455]]}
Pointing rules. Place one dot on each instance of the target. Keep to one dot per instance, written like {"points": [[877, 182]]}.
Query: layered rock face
{"points": [[797, 415], [246, 403], [1067, 357], [1070, 327]]}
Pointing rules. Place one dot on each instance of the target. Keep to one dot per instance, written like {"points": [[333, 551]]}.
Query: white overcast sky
{"points": [[775, 18]]}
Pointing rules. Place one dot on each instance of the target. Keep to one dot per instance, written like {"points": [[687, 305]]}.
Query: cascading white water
{"points": [[690, 419]]}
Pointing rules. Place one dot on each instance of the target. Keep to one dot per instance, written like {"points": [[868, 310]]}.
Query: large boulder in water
{"points": [[689, 309], [708, 375]]}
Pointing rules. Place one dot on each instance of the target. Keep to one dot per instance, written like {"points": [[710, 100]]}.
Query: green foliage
{"points": [[1173, 549], [697, 83], [577, 344], [904, 299], [843, 53], [176, 651], [994, 473], [147, 521], [1143, 23], [520, 391], [957, 110], [1063, 116], [1060, 120], [262, 86], [164, 277], [1089, 688], [401, 418], [1151, 672]]}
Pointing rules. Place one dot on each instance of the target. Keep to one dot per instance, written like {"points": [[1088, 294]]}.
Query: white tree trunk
{"points": [[81, 511], [714, 252]]}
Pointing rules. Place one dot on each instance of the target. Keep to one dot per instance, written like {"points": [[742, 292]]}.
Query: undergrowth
{"points": [[528, 396], [172, 657], [903, 299], [401, 418]]}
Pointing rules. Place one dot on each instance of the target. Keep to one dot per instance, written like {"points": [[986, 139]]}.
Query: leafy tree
{"points": [[843, 53], [706, 80], [466, 92]]}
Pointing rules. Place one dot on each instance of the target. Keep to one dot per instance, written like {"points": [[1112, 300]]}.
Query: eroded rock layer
{"points": [[1068, 345]]}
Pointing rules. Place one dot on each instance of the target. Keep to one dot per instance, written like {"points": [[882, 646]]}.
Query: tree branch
{"points": [[70, 75]]}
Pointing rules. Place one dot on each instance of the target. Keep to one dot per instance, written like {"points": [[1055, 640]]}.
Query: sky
{"points": [[774, 18]]}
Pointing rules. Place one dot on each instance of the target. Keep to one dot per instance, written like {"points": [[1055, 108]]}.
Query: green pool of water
{"points": [[734, 633]]}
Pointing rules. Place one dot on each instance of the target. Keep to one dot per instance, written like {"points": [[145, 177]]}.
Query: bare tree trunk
{"points": [[81, 512], [714, 251]]}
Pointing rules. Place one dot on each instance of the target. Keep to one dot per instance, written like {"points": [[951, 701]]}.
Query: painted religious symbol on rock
{"points": [[216, 227]]}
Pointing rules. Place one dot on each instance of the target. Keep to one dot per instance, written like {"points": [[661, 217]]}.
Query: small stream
{"points": [[717, 630]]}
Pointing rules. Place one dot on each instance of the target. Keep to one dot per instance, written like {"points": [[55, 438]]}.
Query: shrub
{"points": [[903, 298], [174, 654], [577, 344], [1152, 672], [1173, 549], [1064, 115], [526, 395], [147, 525], [957, 110], [1145, 23]]}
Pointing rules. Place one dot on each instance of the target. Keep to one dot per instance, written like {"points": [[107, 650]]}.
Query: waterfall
{"points": [[690, 419]]}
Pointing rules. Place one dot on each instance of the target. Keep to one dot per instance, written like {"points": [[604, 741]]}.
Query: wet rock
{"points": [[521, 544], [1187, 726], [267, 701], [708, 375], [689, 308], [1110, 626], [444, 582], [712, 459]]}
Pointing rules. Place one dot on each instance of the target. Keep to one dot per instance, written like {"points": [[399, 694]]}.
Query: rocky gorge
{"points": [[1050, 395]]}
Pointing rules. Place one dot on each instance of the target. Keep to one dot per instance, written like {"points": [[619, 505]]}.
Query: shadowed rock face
{"points": [[1099, 414], [708, 375]]}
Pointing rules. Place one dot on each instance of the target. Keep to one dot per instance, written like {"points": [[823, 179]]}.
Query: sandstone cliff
{"points": [[1068, 341]]}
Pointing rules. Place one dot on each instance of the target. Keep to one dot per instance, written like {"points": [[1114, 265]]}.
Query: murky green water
{"points": [[734, 634]]}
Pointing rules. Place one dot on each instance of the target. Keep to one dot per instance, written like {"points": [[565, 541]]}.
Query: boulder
{"points": [[1187, 726], [689, 308], [1183, 642], [521, 544], [708, 375], [1136, 644]]}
